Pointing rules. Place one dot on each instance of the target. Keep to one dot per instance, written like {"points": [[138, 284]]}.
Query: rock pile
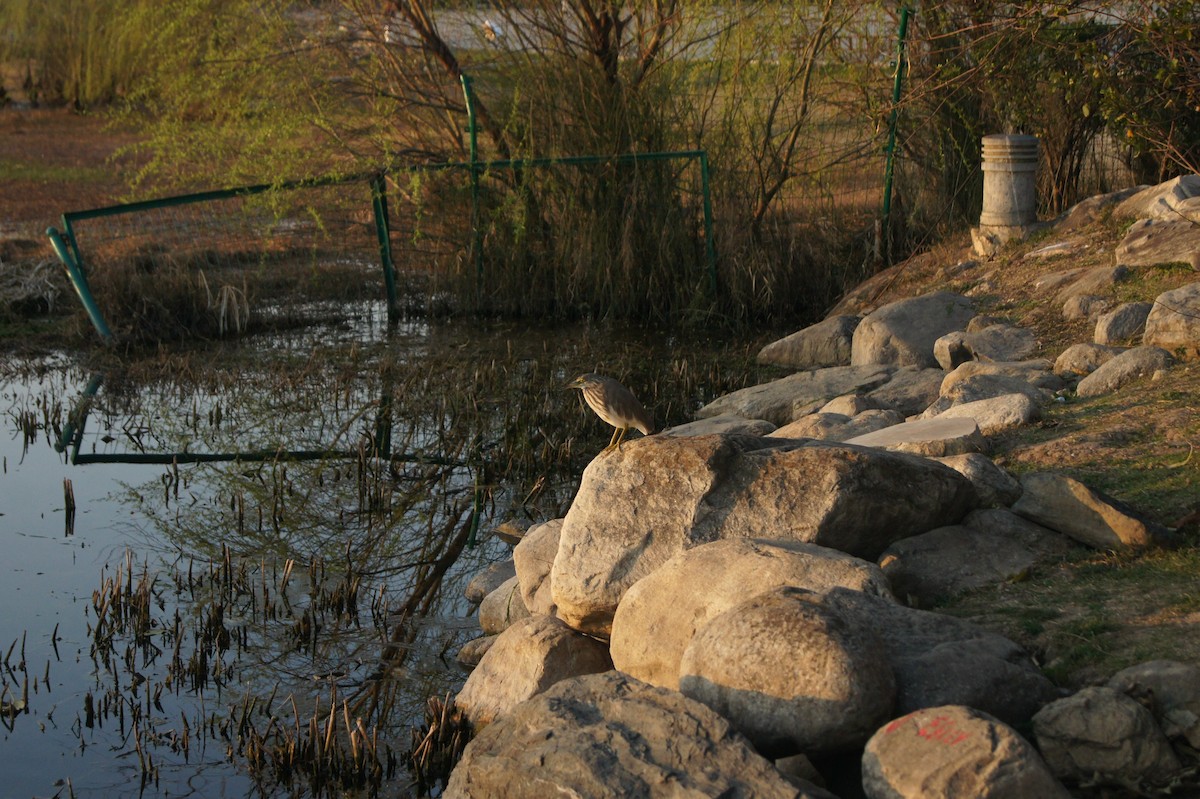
{"points": [[737, 608]]}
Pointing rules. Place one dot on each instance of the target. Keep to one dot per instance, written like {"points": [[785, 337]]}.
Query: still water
{"points": [[261, 580]]}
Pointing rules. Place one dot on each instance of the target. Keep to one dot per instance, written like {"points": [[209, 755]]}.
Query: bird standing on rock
{"points": [[615, 404]]}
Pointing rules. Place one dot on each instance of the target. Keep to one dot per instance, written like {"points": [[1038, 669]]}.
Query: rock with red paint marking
{"points": [[954, 751]]}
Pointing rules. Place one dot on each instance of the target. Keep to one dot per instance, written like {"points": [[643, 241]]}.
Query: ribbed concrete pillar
{"points": [[1009, 191], [1009, 175]]}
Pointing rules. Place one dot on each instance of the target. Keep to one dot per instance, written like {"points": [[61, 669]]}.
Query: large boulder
{"points": [[489, 579], [1102, 736], [660, 614], [1130, 365], [533, 557], [949, 561], [1036, 372], [951, 752], [910, 390], [524, 661], [1165, 200], [608, 736], [994, 485], [1090, 517], [996, 414], [1171, 690], [940, 660], [1097, 280], [1160, 241], [1083, 359], [774, 401], [639, 506], [790, 674], [997, 342], [826, 343], [1124, 324], [1089, 210], [502, 608], [902, 333], [1174, 322]]}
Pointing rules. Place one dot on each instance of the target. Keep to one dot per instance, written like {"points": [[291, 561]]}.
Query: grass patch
{"points": [[52, 173]]}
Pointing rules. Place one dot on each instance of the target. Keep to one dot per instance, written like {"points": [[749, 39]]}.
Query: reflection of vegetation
{"points": [[298, 614]]}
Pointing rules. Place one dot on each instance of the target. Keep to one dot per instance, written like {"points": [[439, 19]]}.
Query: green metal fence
{"points": [[273, 226]]}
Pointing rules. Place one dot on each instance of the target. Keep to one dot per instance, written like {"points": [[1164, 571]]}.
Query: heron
{"points": [[615, 404]]}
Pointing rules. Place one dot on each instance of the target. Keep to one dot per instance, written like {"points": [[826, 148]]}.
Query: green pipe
{"points": [[710, 250], [891, 144], [79, 283], [473, 142], [379, 205]]}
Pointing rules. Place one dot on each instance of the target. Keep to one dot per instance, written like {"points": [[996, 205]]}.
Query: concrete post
{"points": [[1009, 191]]}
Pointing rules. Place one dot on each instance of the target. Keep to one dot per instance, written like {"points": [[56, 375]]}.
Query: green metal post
{"points": [[79, 283], [710, 249], [891, 144], [383, 229], [476, 232]]}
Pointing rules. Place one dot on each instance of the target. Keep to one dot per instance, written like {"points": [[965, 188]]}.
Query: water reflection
{"points": [[264, 580]]}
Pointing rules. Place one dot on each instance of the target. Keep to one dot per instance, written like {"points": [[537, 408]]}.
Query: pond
{"points": [[238, 568]]}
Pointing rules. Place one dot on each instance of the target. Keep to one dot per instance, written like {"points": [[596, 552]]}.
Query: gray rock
{"points": [[1083, 359], [938, 437], [533, 557], [910, 391], [1097, 280], [640, 506], [1159, 241], [488, 580], [902, 333], [660, 614], [473, 651], [981, 387], [1102, 736], [1174, 322], [1161, 201], [850, 405], [837, 427], [999, 342], [1053, 281], [791, 674], [502, 608], [1085, 306], [724, 424], [1036, 372], [954, 751], [1068, 506], [1133, 364], [940, 660], [774, 401], [997, 414], [608, 736], [1085, 212], [826, 343], [1125, 323], [1170, 690], [949, 561], [994, 485], [524, 661]]}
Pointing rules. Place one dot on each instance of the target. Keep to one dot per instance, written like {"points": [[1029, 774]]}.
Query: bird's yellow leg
{"points": [[612, 442], [621, 437]]}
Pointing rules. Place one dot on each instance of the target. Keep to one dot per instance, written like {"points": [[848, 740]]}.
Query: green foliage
{"points": [[75, 51]]}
